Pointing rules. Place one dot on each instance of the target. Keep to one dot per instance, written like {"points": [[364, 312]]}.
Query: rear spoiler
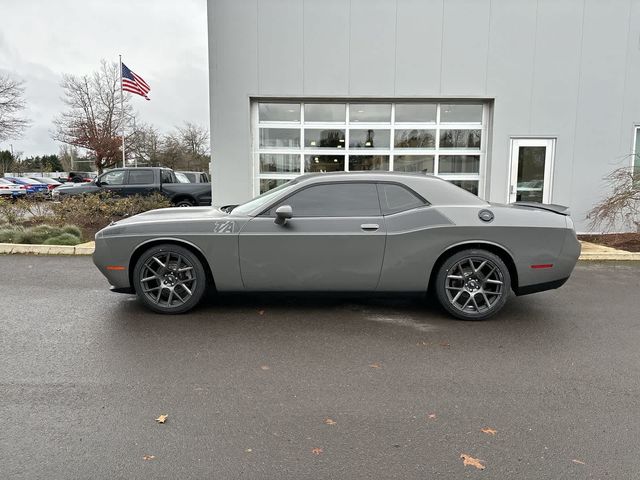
{"points": [[550, 207]]}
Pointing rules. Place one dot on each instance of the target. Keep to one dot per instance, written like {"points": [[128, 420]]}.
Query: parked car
{"points": [[142, 181], [10, 189], [50, 182], [196, 177], [79, 177], [32, 186], [363, 232]]}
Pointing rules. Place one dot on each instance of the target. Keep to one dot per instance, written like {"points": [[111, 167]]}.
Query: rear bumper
{"points": [[540, 287]]}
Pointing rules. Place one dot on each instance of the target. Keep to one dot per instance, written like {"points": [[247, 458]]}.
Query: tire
{"points": [[473, 284], [185, 202], [169, 279]]}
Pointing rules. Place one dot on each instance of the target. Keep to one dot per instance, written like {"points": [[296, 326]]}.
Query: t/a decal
{"points": [[223, 227]]}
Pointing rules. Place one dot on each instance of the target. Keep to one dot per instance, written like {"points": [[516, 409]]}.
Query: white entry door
{"points": [[531, 169]]}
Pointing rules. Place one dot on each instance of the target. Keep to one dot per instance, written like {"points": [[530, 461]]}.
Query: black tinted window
{"points": [[335, 200], [395, 198], [140, 177]]}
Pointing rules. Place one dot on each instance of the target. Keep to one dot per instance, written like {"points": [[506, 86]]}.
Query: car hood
{"points": [[172, 214]]}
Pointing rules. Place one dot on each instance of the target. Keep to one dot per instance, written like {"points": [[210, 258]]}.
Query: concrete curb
{"points": [[16, 248], [590, 251]]}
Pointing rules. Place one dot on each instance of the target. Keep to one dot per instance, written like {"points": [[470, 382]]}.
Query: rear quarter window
{"points": [[396, 198]]}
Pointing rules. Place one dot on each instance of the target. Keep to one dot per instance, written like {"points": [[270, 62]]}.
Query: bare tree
{"points": [[11, 103], [93, 120], [67, 154], [194, 138], [621, 208], [146, 145]]}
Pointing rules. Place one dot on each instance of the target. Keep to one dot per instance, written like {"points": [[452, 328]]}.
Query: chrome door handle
{"points": [[370, 227]]}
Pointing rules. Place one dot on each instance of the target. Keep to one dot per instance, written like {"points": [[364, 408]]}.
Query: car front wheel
{"points": [[473, 284], [169, 279]]}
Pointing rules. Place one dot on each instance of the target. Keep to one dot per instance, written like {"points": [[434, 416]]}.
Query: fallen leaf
{"points": [[148, 457], [375, 365], [265, 367], [445, 344], [162, 418], [317, 451], [248, 450], [328, 421], [260, 312], [489, 431], [432, 416], [578, 461], [469, 460]]}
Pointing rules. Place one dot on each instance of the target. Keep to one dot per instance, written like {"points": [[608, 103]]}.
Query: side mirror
{"points": [[283, 213]]}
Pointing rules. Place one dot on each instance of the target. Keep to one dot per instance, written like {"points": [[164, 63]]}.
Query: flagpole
{"points": [[122, 112]]}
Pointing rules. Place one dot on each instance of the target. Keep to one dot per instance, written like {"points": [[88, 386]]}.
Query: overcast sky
{"points": [[164, 41]]}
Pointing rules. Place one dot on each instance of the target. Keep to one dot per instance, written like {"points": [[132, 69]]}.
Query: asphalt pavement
{"points": [[298, 386]]}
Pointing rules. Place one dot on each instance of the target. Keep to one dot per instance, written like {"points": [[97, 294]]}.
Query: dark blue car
{"points": [[33, 186]]}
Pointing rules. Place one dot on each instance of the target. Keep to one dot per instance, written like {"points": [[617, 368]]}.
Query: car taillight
{"points": [[4, 187]]}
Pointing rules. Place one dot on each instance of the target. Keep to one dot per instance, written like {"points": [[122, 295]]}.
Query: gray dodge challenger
{"points": [[356, 232]]}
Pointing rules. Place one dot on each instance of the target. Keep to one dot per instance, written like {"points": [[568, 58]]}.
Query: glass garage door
{"points": [[444, 139]]}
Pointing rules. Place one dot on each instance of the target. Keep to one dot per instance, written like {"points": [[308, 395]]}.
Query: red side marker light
{"points": [[542, 265], [116, 267]]}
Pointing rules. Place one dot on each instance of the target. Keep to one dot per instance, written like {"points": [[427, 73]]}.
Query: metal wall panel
{"points": [[418, 48], [372, 44], [280, 46], [326, 47], [465, 47]]}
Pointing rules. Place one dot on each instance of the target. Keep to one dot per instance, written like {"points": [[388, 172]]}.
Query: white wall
{"points": [[563, 68]]}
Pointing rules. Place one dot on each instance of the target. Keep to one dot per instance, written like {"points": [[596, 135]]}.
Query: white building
{"points": [[511, 99]]}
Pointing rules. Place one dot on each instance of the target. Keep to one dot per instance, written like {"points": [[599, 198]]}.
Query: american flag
{"points": [[134, 83]]}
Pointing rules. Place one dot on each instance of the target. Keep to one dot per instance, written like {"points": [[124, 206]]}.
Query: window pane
{"points": [[279, 112], [395, 198], [325, 112], [415, 139], [279, 162], [459, 164], [370, 112], [323, 163], [460, 139], [461, 113], [416, 112], [368, 162], [413, 163], [468, 185], [636, 161], [369, 138], [267, 184], [280, 137], [336, 200], [323, 138], [113, 178], [140, 177]]}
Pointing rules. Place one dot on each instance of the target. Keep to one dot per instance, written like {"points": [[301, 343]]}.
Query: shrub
{"points": [[94, 212], [63, 239], [73, 230], [10, 234], [621, 209]]}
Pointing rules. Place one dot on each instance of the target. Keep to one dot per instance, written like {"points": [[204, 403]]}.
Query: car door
{"points": [[333, 242], [113, 182], [140, 182]]}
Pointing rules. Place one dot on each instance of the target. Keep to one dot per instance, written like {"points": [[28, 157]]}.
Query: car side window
{"points": [[166, 177], [115, 177], [140, 177], [334, 200], [396, 198]]}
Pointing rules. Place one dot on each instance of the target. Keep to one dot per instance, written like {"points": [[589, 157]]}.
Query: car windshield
{"points": [[182, 178], [263, 199]]}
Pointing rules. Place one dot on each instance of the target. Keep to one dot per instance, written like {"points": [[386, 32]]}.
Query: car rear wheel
{"points": [[473, 284], [185, 202], [169, 279]]}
